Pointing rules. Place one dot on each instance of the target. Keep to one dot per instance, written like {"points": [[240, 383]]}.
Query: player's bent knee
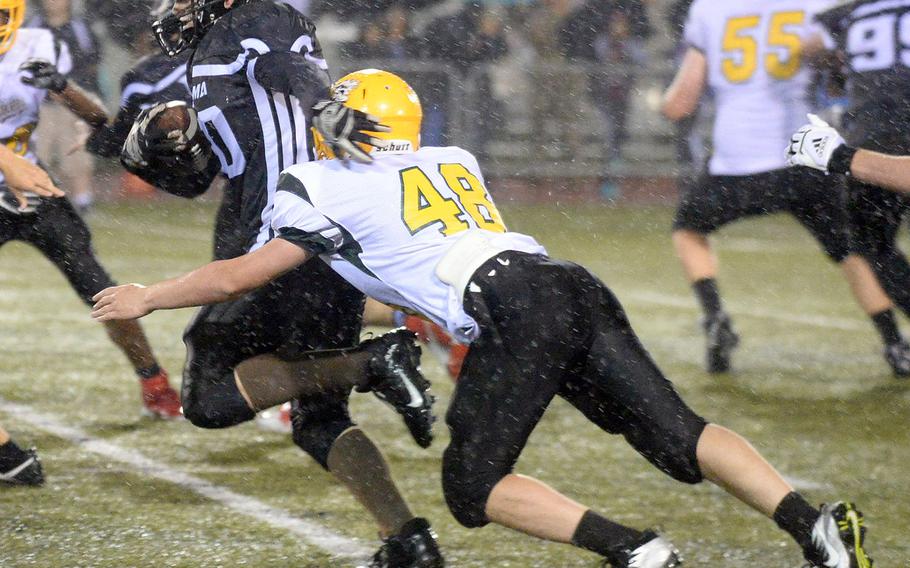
{"points": [[316, 424], [467, 487], [673, 450]]}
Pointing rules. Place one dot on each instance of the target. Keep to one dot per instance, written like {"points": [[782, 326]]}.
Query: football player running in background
{"points": [[417, 229], [256, 71], [33, 67], [22, 177], [871, 38], [752, 54]]}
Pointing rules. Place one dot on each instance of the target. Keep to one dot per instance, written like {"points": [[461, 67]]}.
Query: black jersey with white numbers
{"points": [[154, 79], [874, 38], [255, 132]]}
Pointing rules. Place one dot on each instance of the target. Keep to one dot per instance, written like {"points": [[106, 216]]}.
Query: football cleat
{"points": [[898, 357], [29, 472], [414, 547], [275, 419], [396, 380], [440, 343], [837, 539], [721, 341], [650, 551], [159, 400]]}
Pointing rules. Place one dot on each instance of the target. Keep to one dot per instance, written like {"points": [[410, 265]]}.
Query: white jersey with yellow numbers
{"points": [[20, 104], [758, 76], [385, 227]]}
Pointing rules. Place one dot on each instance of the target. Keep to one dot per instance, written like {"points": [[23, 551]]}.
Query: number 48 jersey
{"points": [[385, 227], [757, 74]]}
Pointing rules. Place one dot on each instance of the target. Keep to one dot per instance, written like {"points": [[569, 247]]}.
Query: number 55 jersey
{"points": [[756, 70], [408, 229]]}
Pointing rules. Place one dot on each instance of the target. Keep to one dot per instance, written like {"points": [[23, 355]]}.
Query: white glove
{"points": [[813, 144]]}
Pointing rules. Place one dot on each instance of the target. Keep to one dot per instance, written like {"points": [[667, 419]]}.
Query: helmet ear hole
{"points": [[389, 98]]}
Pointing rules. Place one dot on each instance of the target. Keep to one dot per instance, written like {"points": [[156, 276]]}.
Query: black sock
{"points": [[601, 535], [149, 372], [11, 455], [796, 516], [708, 295], [886, 325]]}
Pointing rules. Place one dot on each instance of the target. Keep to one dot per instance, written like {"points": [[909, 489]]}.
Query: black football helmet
{"points": [[177, 31]]}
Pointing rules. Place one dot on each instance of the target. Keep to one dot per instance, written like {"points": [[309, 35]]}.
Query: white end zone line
{"points": [[312, 533]]}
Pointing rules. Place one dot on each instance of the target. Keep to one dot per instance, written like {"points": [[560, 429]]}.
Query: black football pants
{"points": [[552, 328]]}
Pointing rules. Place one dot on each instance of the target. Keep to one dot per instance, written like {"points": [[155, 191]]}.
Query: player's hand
{"points": [[127, 301], [341, 127], [42, 74], [26, 180], [813, 144], [175, 149]]}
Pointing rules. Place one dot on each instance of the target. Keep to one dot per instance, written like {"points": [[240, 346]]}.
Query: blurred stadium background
{"points": [[577, 155]]}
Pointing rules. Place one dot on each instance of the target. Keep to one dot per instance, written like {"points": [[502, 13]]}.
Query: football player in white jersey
{"points": [[752, 54], [32, 67], [417, 229], [19, 466]]}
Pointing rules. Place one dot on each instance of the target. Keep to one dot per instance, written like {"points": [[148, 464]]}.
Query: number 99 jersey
{"points": [[757, 74], [385, 227], [874, 37]]}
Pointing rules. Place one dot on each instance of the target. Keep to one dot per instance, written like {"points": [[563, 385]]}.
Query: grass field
{"points": [[810, 391]]}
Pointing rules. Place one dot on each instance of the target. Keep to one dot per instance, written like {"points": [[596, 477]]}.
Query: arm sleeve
{"points": [[297, 221], [292, 73], [187, 186], [695, 32], [64, 61]]}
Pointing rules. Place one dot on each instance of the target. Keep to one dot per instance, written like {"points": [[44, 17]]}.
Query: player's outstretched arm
{"points": [[682, 96], [20, 175], [818, 145], [215, 282], [43, 74]]}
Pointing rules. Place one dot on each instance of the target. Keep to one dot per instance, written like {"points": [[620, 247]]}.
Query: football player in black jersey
{"points": [[256, 73], [870, 36]]}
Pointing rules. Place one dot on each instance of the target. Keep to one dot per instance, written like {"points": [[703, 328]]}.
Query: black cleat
{"points": [[414, 547], [651, 551], [837, 539], [396, 380], [721, 341], [28, 472], [898, 357]]}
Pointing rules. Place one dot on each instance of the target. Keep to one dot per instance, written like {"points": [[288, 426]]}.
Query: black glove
{"points": [[44, 75], [342, 126], [184, 152]]}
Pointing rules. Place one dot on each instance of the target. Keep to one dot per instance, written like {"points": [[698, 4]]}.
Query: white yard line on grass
{"points": [[312, 533], [660, 299]]}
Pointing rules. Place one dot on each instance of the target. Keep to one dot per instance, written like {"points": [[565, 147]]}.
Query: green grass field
{"points": [[810, 391]]}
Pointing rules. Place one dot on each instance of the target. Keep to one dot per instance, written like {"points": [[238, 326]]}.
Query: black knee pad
{"points": [[467, 486], [671, 448], [210, 396], [317, 421]]}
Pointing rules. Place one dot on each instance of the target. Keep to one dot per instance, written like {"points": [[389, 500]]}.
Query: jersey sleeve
{"points": [[695, 32], [64, 60], [296, 220]]}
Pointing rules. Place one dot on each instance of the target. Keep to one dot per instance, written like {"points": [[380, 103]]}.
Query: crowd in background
{"points": [[540, 60]]}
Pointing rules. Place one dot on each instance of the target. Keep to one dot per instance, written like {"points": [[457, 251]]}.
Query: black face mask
{"points": [[173, 33]]}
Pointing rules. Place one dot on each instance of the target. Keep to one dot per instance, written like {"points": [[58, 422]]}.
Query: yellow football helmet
{"points": [[385, 96], [12, 14]]}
